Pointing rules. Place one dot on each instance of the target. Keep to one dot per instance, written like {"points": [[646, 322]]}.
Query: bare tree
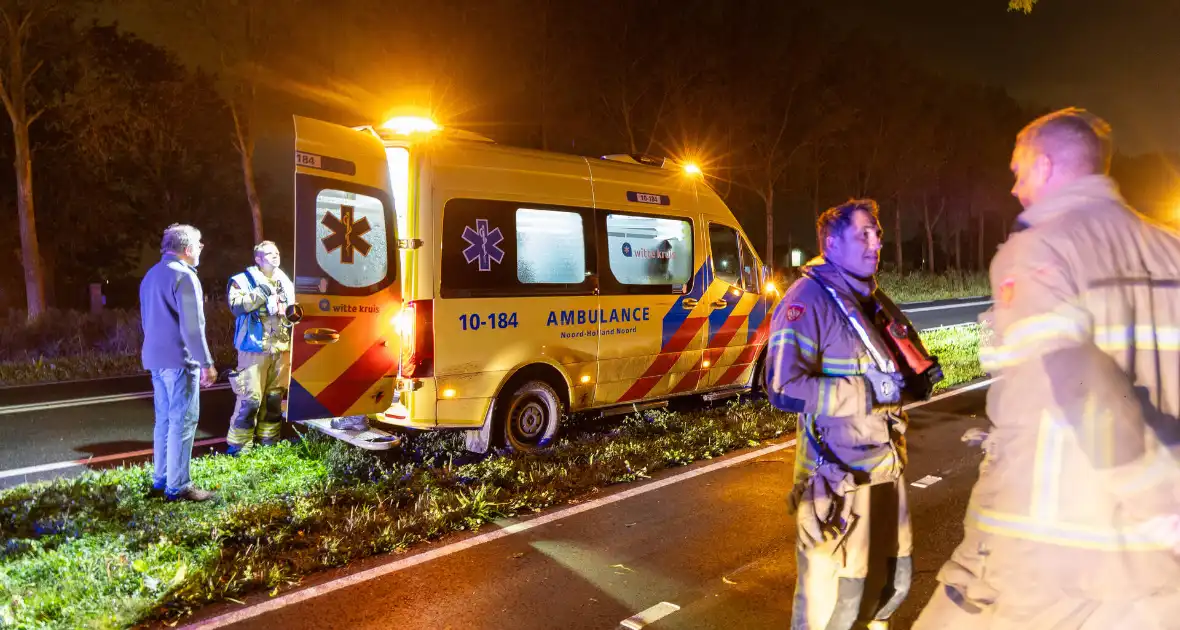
{"points": [[22, 19]]}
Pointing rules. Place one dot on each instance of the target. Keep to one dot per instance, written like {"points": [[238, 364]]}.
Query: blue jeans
{"points": [[178, 407]]}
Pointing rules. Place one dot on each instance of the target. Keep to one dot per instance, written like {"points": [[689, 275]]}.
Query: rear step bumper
{"points": [[370, 440]]}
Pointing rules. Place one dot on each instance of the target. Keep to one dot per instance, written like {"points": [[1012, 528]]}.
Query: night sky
{"points": [[1119, 58]]}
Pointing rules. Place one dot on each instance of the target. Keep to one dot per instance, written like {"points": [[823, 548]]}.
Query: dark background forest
{"points": [[138, 114]]}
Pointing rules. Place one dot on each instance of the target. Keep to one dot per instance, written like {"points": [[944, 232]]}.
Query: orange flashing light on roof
{"points": [[409, 125]]}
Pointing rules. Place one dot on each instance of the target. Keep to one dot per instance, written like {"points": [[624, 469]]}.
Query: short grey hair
{"points": [[258, 248], [1072, 137], [178, 237]]}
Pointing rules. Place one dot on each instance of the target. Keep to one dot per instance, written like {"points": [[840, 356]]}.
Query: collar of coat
{"points": [[839, 279], [1081, 193]]}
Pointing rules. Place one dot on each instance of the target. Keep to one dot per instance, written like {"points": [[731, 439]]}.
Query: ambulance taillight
{"points": [[416, 325]]}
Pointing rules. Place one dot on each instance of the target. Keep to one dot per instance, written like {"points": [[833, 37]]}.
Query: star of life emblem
{"points": [[483, 245]]}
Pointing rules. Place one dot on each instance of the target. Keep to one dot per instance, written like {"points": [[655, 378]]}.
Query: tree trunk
{"points": [[252, 195], [958, 250], [929, 233], [14, 86], [544, 75], [897, 243], [982, 253], [30, 249], [245, 147], [770, 226]]}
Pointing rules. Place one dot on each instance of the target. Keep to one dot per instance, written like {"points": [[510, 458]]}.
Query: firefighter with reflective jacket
{"points": [[259, 297], [844, 357], [1072, 524]]}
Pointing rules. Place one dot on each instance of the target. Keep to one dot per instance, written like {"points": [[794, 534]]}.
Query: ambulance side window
{"points": [[647, 254], [494, 248], [550, 247], [727, 259], [751, 274], [352, 235]]}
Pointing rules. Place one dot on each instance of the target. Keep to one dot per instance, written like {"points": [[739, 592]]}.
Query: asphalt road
{"points": [[61, 429], [711, 551]]}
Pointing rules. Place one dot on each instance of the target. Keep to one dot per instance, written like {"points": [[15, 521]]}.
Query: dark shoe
{"points": [[155, 493], [193, 493], [235, 450]]}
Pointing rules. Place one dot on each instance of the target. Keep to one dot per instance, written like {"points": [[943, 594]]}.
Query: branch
{"points": [[34, 117], [29, 76]]}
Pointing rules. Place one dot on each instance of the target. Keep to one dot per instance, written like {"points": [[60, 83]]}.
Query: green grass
{"points": [[924, 287], [95, 552]]}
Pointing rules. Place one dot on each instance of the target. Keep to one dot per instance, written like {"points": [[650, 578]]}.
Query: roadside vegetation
{"points": [[72, 345], [96, 551]]}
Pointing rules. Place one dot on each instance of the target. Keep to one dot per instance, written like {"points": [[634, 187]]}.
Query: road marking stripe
{"points": [[953, 392], [649, 616], [95, 400], [944, 307], [926, 482], [32, 470], [254, 610]]}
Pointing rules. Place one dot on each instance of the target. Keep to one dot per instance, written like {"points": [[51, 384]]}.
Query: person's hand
{"points": [[272, 304], [886, 386], [208, 376]]}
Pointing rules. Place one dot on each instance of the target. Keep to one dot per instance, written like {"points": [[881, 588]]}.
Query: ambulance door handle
{"points": [[321, 336], [689, 303], [720, 303]]}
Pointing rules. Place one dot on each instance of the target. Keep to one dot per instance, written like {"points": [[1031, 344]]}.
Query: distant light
{"points": [[585, 378], [692, 168], [449, 393], [407, 125]]}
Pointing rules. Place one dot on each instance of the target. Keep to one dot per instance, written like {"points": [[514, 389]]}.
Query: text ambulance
{"points": [[449, 282]]}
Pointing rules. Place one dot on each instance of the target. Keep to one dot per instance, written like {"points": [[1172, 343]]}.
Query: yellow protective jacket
{"points": [[1078, 461]]}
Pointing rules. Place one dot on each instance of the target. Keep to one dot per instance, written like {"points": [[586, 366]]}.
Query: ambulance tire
{"points": [[530, 417], [758, 387]]}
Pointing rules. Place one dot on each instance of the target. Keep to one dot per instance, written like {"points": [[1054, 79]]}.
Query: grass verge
{"points": [[94, 551], [925, 287]]}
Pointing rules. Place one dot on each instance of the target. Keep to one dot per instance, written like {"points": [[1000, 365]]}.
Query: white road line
{"points": [[312, 592], [649, 616], [953, 392], [926, 482], [944, 307], [94, 400], [32, 470]]}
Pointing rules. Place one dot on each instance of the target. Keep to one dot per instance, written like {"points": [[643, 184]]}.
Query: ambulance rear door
{"points": [[345, 349]]}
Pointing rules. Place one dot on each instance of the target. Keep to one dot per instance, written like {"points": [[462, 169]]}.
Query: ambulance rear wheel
{"points": [[530, 417], [758, 387]]}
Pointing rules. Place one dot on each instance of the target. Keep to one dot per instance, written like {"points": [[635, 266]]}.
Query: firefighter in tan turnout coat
{"points": [[829, 361], [1072, 524]]}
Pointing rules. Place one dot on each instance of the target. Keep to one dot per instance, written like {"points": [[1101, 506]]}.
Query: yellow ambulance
{"points": [[447, 282]]}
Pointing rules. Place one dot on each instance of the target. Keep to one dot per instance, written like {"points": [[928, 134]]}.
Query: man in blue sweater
{"points": [[175, 352]]}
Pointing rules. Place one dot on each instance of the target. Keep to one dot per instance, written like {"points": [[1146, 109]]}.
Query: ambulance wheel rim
{"points": [[531, 417], [531, 420]]}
